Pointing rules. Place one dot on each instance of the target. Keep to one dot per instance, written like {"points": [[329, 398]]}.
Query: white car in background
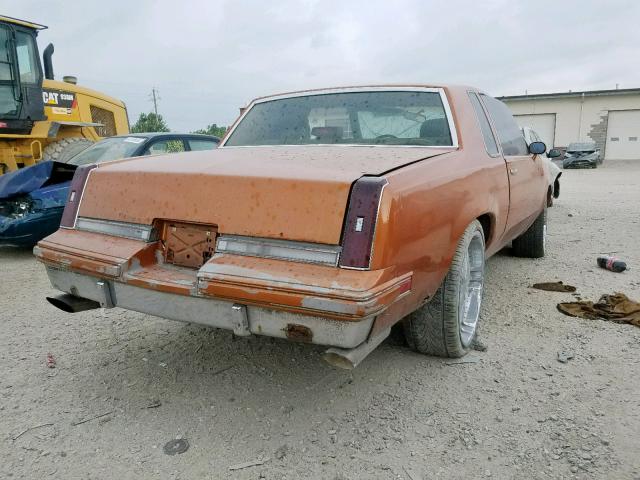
{"points": [[530, 136]]}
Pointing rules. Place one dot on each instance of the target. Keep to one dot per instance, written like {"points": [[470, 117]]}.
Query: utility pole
{"points": [[154, 98]]}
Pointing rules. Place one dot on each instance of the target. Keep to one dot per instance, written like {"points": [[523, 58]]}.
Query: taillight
{"points": [[360, 224], [75, 193]]}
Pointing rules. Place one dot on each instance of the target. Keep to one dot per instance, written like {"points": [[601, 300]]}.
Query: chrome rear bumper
{"points": [[242, 319]]}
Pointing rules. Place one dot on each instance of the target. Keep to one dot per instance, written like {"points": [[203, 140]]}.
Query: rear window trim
{"points": [[331, 91], [498, 153]]}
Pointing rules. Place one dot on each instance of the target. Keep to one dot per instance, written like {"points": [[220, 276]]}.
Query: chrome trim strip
{"points": [[84, 187], [285, 244], [486, 115], [331, 91], [260, 320], [449, 115], [134, 231], [361, 145]]}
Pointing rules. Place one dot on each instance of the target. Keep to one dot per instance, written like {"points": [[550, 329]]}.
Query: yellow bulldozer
{"points": [[41, 118]]}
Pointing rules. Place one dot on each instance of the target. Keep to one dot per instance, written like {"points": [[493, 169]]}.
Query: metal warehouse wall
{"points": [[578, 118]]}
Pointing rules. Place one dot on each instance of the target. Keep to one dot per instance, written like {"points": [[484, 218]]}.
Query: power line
{"points": [[155, 97]]}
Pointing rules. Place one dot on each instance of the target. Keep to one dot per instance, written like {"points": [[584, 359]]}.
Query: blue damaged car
{"points": [[32, 199], [31, 202]]}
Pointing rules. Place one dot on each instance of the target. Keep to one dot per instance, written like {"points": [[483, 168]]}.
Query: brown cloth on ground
{"points": [[554, 287], [617, 308]]}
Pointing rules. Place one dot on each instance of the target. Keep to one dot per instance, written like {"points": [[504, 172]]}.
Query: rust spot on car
{"points": [[301, 194], [298, 333]]}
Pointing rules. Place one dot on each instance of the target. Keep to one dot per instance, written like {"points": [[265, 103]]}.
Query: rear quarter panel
{"points": [[427, 206]]}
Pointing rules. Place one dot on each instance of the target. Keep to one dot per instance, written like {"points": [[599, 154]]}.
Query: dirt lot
{"points": [[137, 382]]}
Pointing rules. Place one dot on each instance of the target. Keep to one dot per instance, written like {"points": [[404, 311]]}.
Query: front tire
{"points": [[446, 325], [532, 243]]}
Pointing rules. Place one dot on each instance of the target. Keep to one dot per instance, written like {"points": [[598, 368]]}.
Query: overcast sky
{"points": [[207, 58]]}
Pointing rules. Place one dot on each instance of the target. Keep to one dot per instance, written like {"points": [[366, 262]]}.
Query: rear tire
{"points": [[532, 243], [63, 150], [446, 325]]}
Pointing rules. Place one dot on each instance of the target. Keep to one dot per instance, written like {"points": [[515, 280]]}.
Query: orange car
{"points": [[325, 216]]}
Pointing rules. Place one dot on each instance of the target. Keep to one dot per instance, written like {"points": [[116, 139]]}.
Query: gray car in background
{"points": [[582, 155]]}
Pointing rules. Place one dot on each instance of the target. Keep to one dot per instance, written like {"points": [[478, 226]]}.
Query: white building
{"points": [[611, 118]]}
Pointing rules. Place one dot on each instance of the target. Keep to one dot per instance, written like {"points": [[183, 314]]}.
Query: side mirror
{"points": [[537, 148], [554, 153]]}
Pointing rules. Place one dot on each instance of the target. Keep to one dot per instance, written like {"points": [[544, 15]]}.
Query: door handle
{"points": [[513, 171]]}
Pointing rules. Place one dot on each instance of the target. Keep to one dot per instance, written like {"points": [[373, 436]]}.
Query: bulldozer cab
{"points": [[42, 118], [21, 76]]}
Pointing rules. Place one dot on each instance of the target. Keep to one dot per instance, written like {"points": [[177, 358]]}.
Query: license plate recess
{"points": [[188, 244]]}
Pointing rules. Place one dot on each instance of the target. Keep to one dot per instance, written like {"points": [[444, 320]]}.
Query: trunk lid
{"points": [[295, 193]]}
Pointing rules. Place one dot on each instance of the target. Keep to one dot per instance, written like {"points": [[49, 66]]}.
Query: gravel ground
{"points": [[513, 411]]}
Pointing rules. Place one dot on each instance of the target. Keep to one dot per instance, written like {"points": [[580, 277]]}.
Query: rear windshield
{"points": [[108, 149], [364, 118], [581, 147]]}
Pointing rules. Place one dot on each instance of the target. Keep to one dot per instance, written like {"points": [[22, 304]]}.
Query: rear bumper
{"points": [[242, 319], [303, 302]]}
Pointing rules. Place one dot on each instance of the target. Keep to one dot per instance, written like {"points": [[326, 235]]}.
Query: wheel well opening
{"points": [[485, 221]]}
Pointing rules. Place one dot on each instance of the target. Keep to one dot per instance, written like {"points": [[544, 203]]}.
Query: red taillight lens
{"points": [[75, 193], [360, 225]]}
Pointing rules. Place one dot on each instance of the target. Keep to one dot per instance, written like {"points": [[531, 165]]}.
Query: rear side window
{"points": [[511, 138], [202, 144], [487, 134], [165, 146]]}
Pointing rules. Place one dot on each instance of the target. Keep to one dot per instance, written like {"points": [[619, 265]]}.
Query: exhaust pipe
{"points": [[349, 358], [46, 60], [72, 304]]}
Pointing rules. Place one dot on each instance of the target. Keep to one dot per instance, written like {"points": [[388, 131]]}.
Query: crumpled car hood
{"points": [[51, 195], [27, 218], [28, 179], [45, 198]]}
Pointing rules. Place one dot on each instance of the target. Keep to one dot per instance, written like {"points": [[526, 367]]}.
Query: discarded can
{"points": [[51, 361], [612, 263]]}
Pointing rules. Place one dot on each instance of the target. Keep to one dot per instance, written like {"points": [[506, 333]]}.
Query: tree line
{"points": [[152, 122]]}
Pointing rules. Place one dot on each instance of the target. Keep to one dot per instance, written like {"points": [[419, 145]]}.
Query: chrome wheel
{"points": [[446, 325], [471, 285]]}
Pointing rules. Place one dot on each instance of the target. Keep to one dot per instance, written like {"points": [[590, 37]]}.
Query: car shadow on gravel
{"points": [[15, 253], [173, 365]]}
